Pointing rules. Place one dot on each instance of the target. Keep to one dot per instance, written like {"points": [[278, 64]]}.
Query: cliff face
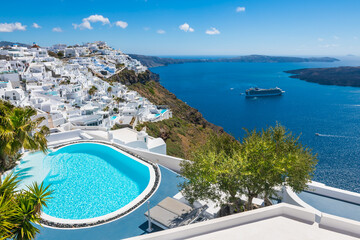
{"points": [[187, 129]]}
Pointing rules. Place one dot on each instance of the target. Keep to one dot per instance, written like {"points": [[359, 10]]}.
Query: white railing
{"points": [[172, 163]]}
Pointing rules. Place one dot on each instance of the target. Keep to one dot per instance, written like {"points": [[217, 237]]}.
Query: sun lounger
{"points": [[175, 206], [170, 213]]}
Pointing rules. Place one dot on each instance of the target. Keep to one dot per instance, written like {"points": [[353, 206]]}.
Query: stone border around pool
{"points": [[54, 224]]}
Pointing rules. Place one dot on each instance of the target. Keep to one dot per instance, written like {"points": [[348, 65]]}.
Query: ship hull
{"points": [[264, 95]]}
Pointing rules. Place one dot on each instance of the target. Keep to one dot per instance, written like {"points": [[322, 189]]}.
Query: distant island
{"points": [[152, 61], [7, 43], [340, 76]]}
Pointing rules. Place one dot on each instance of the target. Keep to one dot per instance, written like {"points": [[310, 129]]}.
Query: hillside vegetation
{"points": [[187, 129], [129, 77]]}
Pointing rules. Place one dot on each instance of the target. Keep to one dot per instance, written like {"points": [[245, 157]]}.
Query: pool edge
{"points": [[53, 222]]}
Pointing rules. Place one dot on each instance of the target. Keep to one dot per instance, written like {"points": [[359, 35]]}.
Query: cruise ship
{"points": [[260, 92]]}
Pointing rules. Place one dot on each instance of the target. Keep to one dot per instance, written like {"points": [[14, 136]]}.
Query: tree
{"points": [[272, 158], [52, 54], [119, 100], [19, 129], [223, 169], [60, 54], [92, 90], [109, 89], [20, 210], [213, 172]]}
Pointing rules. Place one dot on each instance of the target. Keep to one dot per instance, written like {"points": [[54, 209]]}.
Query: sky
{"points": [[197, 27]]}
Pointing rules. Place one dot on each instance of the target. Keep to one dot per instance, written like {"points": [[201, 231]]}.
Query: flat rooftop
{"points": [[275, 228], [278, 222]]}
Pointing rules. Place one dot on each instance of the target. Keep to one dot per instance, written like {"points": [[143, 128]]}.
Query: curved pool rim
{"points": [[154, 182]]}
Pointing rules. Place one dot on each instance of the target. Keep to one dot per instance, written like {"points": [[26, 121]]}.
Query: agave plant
{"points": [[20, 209], [24, 218], [6, 213], [39, 194]]}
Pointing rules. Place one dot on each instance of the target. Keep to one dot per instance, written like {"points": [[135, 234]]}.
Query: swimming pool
{"points": [[331, 205], [94, 183], [53, 93], [113, 118], [162, 111]]}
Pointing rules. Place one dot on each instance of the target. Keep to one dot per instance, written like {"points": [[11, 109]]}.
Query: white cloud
{"points": [[91, 19], [336, 37], [97, 18], [160, 31], [212, 31], [83, 25], [35, 25], [356, 38], [10, 27], [57, 29], [320, 39], [121, 24], [146, 28], [240, 9], [186, 28]]}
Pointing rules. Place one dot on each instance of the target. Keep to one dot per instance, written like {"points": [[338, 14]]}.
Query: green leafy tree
{"points": [[92, 90], [119, 100], [273, 158], [213, 172], [19, 128], [109, 89], [60, 54], [223, 169]]}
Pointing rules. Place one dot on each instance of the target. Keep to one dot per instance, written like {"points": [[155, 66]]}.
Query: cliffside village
{"points": [[70, 93]]}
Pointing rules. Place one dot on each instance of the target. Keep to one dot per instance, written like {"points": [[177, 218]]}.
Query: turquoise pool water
{"points": [[161, 112], [53, 93], [113, 117], [92, 180]]}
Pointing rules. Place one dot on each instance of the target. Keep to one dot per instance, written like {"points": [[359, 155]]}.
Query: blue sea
{"points": [[305, 108]]}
